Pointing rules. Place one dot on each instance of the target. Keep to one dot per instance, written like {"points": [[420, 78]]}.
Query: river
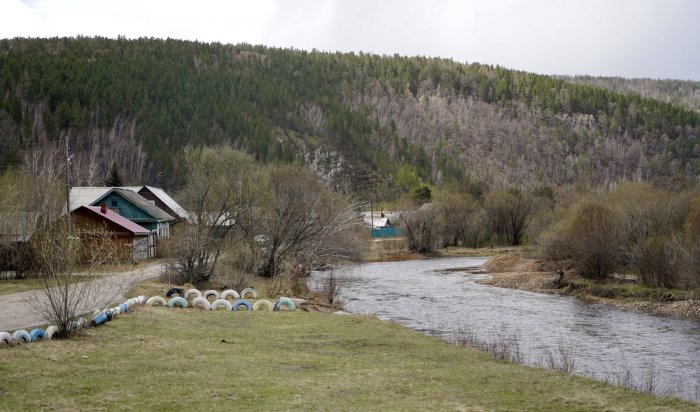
{"points": [[439, 297]]}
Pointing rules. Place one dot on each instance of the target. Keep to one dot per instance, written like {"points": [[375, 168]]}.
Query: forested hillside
{"points": [[366, 122], [682, 92]]}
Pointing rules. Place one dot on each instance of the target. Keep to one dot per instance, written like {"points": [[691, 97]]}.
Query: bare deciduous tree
{"points": [[303, 224], [509, 214], [220, 186]]}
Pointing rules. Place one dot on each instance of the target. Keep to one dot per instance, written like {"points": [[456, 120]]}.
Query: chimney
{"points": [[103, 208]]}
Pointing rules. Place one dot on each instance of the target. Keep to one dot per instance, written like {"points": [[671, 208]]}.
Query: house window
{"points": [[114, 203]]}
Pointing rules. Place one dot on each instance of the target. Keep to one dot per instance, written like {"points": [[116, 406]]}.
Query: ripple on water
{"points": [[437, 297]]}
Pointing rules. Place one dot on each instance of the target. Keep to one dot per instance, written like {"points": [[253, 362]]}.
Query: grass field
{"points": [[181, 359]]}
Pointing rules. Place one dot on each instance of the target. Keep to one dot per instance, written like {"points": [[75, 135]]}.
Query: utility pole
{"points": [[70, 223]]}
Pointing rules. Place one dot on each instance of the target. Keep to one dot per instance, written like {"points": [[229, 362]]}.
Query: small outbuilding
{"points": [[132, 242]]}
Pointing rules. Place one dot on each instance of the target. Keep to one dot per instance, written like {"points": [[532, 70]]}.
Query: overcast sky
{"points": [[629, 38]]}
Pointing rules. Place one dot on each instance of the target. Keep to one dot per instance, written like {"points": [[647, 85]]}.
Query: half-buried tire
{"points": [[229, 293], [50, 331], [241, 302], [211, 292], [221, 303], [201, 302], [37, 334], [156, 301], [6, 339], [193, 292], [246, 291], [21, 336], [285, 302], [263, 303], [177, 301], [175, 291]]}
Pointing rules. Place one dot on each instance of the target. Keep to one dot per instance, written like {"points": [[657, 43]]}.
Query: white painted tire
{"points": [[50, 331], [193, 292], [211, 292], [21, 335], [200, 302], [6, 339], [263, 302], [156, 301], [141, 300], [246, 291], [229, 292], [219, 303]]}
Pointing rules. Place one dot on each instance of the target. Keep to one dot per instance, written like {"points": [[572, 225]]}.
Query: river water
{"points": [[439, 297]]}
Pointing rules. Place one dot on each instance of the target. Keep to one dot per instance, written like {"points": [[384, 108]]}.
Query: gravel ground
{"points": [[19, 310]]}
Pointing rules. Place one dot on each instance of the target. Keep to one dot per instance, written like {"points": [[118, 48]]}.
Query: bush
{"points": [[591, 237]]}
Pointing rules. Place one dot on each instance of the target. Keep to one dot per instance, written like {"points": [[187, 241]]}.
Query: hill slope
{"points": [[366, 122]]}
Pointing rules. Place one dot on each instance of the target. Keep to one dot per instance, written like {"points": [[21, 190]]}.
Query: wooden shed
{"points": [[131, 240]]}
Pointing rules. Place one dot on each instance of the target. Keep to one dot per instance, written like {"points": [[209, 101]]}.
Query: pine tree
{"points": [[114, 179]]}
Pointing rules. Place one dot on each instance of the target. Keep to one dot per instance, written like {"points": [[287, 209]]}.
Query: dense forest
{"points": [[364, 122]]}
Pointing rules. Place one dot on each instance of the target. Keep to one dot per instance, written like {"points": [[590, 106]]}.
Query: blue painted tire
{"points": [[291, 306], [99, 319], [263, 302], [124, 308], [229, 292], [177, 301], [241, 302], [50, 331], [246, 291], [37, 334], [6, 339], [201, 302], [21, 335], [156, 301], [174, 291], [221, 303]]}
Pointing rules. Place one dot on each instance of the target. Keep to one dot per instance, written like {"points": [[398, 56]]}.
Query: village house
{"points": [[129, 240]]}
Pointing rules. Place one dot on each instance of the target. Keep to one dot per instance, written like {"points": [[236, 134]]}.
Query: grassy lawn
{"points": [[165, 359]]}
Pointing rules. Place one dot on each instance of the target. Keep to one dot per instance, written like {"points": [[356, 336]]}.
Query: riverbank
{"points": [[521, 270], [155, 357]]}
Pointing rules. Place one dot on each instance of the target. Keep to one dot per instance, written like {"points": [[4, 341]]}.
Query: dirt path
{"points": [[19, 310]]}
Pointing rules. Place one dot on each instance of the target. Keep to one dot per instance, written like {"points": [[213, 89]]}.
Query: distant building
{"points": [[382, 224], [134, 207]]}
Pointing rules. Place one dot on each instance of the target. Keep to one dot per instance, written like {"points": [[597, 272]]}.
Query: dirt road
{"points": [[20, 310]]}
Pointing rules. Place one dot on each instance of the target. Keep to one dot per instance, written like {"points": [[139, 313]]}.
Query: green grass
{"points": [[174, 359], [635, 291]]}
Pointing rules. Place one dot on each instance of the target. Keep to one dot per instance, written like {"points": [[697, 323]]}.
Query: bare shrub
{"points": [[421, 229], [500, 346], [278, 285], [562, 358], [591, 237], [332, 286], [65, 294]]}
